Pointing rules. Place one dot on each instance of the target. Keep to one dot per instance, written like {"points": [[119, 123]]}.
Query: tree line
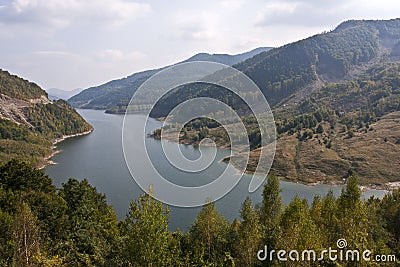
{"points": [[74, 226]]}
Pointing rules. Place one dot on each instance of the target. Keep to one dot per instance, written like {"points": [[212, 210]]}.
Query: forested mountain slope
{"points": [[115, 95], [288, 74], [329, 57], [30, 122], [336, 102]]}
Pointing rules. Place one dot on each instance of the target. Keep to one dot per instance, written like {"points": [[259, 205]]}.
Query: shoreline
{"points": [[387, 186], [47, 159]]}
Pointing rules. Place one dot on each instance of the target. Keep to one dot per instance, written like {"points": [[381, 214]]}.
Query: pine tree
{"points": [[352, 215]]}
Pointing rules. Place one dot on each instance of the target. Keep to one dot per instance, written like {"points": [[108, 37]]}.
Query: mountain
{"points": [[30, 122], [293, 71], [55, 93], [336, 102], [288, 74], [115, 95]]}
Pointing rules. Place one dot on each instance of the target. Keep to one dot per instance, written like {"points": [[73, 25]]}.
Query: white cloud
{"points": [[232, 4], [112, 56], [52, 53], [303, 13], [317, 13], [200, 26], [277, 9], [62, 13]]}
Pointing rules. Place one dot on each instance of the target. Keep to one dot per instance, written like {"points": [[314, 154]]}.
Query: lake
{"points": [[99, 158]]}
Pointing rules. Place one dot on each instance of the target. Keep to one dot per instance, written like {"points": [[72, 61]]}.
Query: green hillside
{"points": [[16, 87], [30, 122]]}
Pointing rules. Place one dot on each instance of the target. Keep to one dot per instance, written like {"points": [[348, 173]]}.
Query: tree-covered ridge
{"points": [[376, 91], [281, 73], [56, 119], [16, 87], [354, 103], [29, 122], [74, 226], [328, 56]]}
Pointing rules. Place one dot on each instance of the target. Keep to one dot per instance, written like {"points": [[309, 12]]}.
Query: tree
{"points": [[91, 230], [352, 215], [389, 211], [26, 236], [19, 176], [249, 239], [7, 243], [320, 129], [208, 235], [145, 234], [298, 230], [329, 221], [271, 210]]}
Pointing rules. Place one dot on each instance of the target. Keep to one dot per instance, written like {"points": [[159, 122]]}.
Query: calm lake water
{"points": [[99, 158]]}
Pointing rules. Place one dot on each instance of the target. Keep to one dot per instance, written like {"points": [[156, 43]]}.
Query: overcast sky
{"points": [[70, 44]]}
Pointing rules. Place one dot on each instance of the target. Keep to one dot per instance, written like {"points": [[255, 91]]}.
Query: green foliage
{"points": [[76, 226], [12, 131], [28, 133], [298, 230], [19, 176], [376, 93], [56, 119], [271, 210], [26, 235], [6, 238], [19, 142], [16, 87], [145, 235], [249, 235], [90, 231], [388, 210], [208, 236]]}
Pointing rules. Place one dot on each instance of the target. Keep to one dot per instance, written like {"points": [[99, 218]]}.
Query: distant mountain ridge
{"points": [[226, 58], [117, 93], [55, 93]]}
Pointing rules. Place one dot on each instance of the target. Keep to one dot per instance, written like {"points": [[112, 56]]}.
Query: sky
{"points": [[70, 44]]}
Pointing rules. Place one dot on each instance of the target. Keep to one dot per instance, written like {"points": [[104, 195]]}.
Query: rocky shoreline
{"points": [[47, 159]]}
